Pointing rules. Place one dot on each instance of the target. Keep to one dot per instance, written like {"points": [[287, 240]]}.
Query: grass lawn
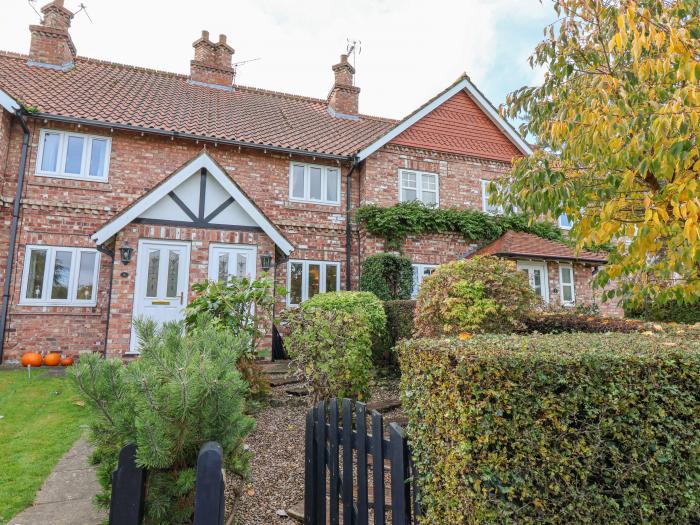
{"points": [[39, 421]]}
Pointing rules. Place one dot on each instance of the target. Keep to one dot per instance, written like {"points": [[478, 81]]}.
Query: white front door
{"points": [[226, 260], [537, 277], [162, 273]]}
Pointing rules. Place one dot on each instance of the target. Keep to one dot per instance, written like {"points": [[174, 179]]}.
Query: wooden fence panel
{"points": [[362, 500], [128, 484], [209, 486]]}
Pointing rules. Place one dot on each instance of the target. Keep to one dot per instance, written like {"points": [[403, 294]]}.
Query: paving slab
{"points": [[66, 496]]}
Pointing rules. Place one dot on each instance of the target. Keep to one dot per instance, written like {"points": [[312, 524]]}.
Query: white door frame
{"points": [[141, 266], [537, 265], [252, 249]]}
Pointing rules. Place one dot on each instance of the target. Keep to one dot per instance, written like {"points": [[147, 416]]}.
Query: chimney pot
{"points": [[222, 39], [205, 34], [212, 63], [51, 42]]}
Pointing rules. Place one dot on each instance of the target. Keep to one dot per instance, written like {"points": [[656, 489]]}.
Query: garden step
{"points": [[299, 391], [280, 366], [400, 419], [384, 406], [283, 380]]}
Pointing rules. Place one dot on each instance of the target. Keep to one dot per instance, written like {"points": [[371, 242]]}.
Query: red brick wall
{"points": [[584, 292]]}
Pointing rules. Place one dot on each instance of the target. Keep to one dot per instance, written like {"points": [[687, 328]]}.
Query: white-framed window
{"points": [[312, 183], [566, 285], [55, 275], [308, 278], [564, 222], [419, 186], [420, 272], [73, 155], [486, 206]]}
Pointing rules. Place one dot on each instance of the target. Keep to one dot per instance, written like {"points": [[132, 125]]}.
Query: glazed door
{"points": [[537, 277]]}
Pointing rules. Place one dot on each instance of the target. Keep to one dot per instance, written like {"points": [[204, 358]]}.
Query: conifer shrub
{"points": [[555, 429], [388, 276], [330, 341], [480, 294], [400, 320], [183, 391]]}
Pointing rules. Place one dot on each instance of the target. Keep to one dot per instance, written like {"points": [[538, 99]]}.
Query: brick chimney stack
{"points": [[51, 43], [212, 62], [344, 96]]}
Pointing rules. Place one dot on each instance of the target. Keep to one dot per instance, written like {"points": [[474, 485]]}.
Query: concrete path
{"points": [[66, 496]]}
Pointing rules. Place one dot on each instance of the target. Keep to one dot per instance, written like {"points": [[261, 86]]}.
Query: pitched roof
{"points": [[515, 244], [462, 84], [109, 93]]}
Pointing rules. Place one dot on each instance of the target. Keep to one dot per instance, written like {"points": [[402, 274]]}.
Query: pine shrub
{"points": [[481, 294], [555, 429], [388, 276], [183, 391]]}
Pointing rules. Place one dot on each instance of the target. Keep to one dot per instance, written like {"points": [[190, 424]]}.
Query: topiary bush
{"points": [[555, 429], [481, 294], [183, 391], [400, 320], [331, 348], [388, 276]]}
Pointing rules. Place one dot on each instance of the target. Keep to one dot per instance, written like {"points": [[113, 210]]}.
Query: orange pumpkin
{"points": [[52, 359], [67, 361], [31, 358]]}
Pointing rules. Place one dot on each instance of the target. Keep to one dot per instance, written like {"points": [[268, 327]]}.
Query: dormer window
{"points": [[73, 155], [311, 183], [418, 186]]}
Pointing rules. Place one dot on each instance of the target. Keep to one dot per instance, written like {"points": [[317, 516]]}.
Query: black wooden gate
{"points": [[129, 481], [345, 498]]}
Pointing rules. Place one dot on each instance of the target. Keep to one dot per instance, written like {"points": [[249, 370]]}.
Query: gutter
{"points": [[192, 136], [109, 253], [13, 230], [348, 229]]}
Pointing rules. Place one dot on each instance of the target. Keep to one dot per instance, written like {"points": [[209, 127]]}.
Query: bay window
{"points": [[61, 276], [308, 278], [73, 155]]}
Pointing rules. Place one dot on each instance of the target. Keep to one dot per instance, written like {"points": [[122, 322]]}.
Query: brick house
{"points": [[122, 186]]}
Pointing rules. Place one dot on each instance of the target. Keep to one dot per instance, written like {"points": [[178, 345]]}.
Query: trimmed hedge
{"points": [[569, 428], [557, 323], [672, 312], [400, 320], [388, 276]]}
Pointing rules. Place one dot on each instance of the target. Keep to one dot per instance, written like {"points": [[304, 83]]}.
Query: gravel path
{"points": [[277, 467]]}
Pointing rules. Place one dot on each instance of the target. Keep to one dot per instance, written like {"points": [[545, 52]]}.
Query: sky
{"points": [[410, 49]]}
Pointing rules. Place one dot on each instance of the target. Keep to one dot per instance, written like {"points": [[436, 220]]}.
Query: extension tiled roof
{"points": [[514, 244], [117, 94]]}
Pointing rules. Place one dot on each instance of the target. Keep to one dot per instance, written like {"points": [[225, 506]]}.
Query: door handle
{"points": [[182, 296]]}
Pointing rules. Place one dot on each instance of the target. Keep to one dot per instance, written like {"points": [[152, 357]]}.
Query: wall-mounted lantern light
{"points": [[126, 252], [266, 261]]}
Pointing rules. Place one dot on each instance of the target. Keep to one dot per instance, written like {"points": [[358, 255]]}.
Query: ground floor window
{"points": [[58, 275], [308, 278], [420, 272], [537, 277], [566, 284]]}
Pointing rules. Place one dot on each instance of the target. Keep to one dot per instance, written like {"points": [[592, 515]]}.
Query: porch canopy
{"points": [[200, 194], [515, 245]]}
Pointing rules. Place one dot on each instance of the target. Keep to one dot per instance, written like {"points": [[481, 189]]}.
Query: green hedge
{"points": [[557, 323], [569, 428], [388, 276], [672, 312], [400, 320]]}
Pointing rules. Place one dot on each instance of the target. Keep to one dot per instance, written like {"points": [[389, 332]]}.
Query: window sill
{"points": [[43, 304], [321, 203], [101, 180]]}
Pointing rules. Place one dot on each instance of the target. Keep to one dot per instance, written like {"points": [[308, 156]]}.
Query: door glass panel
{"points": [[223, 267], [315, 184], [61, 275], [537, 281], [295, 282], [331, 278], [241, 265], [332, 185], [298, 182], [314, 279], [74, 155], [566, 293], [35, 281], [49, 159], [173, 273], [97, 157], [152, 278], [86, 274]]}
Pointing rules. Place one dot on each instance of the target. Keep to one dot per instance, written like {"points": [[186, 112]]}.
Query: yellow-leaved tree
{"points": [[616, 121]]}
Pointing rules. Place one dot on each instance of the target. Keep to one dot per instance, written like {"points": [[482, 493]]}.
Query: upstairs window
{"points": [[73, 155], [418, 186], [60, 276], [308, 278], [564, 222], [493, 209], [310, 183]]}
